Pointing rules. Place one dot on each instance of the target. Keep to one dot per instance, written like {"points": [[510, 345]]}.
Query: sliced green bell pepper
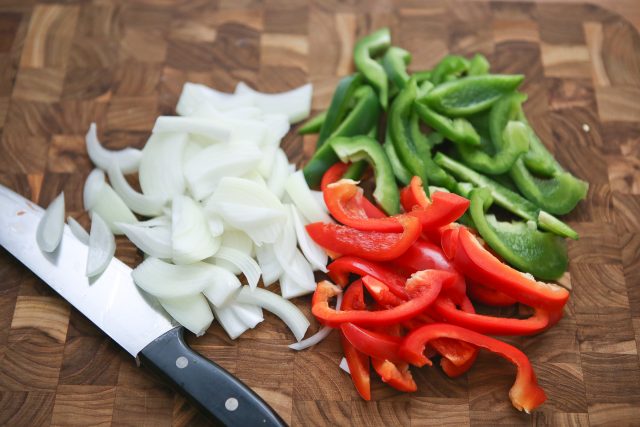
{"points": [[341, 102], [449, 68], [401, 173], [457, 130], [395, 63], [365, 148], [365, 50], [313, 125], [470, 95], [509, 200], [478, 65], [540, 253]]}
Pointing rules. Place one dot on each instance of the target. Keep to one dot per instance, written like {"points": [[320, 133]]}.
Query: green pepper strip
{"points": [[313, 125], [458, 130], [478, 65], [360, 120], [411, 150], [470, 95], [506, 198], [401, 173], [365, 49], [423, 76], [365, 148], [558, 194], [540, 253], [395, 63], [450, 67], [357, 169], [340, 104]]}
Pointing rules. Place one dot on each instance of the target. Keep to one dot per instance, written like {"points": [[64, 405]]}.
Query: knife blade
{"points": [[133, 319]]}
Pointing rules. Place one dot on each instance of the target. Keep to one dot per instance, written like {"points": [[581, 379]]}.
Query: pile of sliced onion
{"points": [[212, 184]]}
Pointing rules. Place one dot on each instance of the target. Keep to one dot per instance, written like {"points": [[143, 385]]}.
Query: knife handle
{"points": [[207, 385]]}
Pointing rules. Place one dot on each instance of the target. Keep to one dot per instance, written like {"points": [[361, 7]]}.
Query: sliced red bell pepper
{"points": [[443, 208], [413, 195], [340, 269], [475, 262], [542, 319], [381, 293], [397, 375], [372, 245], [333, 174], [372, 343], [488, 296], [423, 287], [358, 362], [525, 394]]}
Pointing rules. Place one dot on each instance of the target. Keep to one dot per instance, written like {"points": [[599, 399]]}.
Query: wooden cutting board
{"points": [[122, 63]]}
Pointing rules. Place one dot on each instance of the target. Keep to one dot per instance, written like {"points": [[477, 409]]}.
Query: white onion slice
{"points": [[285, 310], [102, 246], [314, 253], [192, 125], [286, 242], [223, 288], [51, 225], [154, 241], [245, 113], [92, 187], [192, 312], [112, 209], [243, 262], [265, 166], [161, 171], [163, 220], [269, 264], [238, 240], [230, 321], [217, 161], [344, 365], [295, 103], [128, 160], [215, 223], [77, 230], [190, 236], [289, 288], [279, 174], [301, 273], [164, 280], [250, 315], [300, 193], [278, 126], [137, 202], [318, 336], [319, 197], [195, 95]]}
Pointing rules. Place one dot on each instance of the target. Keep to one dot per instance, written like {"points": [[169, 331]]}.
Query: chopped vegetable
{"points": [[51, 225], [127, 160], [77, 230], [102, 246]]}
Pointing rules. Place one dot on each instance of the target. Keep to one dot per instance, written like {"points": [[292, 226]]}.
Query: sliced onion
{"points": [[269, 264], [243, 262], [237, 240], [244, 113], [51, 225], [190, 236], [128, 160], [285, 310], [279, 174], [316, 256], [289, 288], [191, 125], [318, 336], [230, 321], [112, 209], [163, 220], [301, 273], [137, 202], [295, 103], [164, 280], [195, 95], [92, 187], [161, 171], [224, 287], [216, 225], [267, 161], [102, 246], [250, 315], [300, 193], [286, 243], [154, 241], [193, 149], [278, 126], [218, 161], [77, 230], [191, 311], [319, 197], [344, 365]]}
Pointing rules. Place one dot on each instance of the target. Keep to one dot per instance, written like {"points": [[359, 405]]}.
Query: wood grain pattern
{"points": [[64, 64]]}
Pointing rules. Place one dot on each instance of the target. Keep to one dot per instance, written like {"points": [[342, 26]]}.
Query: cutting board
{"points": [[123, 63]]}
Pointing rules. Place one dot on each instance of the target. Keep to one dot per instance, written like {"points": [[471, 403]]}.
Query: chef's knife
{"points": [[131, 318]]}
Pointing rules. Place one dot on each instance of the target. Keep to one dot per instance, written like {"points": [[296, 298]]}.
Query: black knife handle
{"points": [[207, 385]]}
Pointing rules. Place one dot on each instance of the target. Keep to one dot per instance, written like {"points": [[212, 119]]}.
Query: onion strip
{"points": [[77, 230], [128, 160], [102, 246], [295, 103], [314, 253], [51, 225], [154, 241], [318, 336], [300, 193], [137, 202], [192, 312], [242, 261]]}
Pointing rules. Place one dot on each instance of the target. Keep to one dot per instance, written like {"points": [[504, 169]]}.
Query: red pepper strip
{"points": [[453, 370], [397, 375], [413, 195], [339, 272], [346, 203], [542, 319], [423, 255], [481, 266], [358, 362], [488, 296], [524, 394], [423, 287], [372, 245], [333, 174], [381, 293], [372, 343]]}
